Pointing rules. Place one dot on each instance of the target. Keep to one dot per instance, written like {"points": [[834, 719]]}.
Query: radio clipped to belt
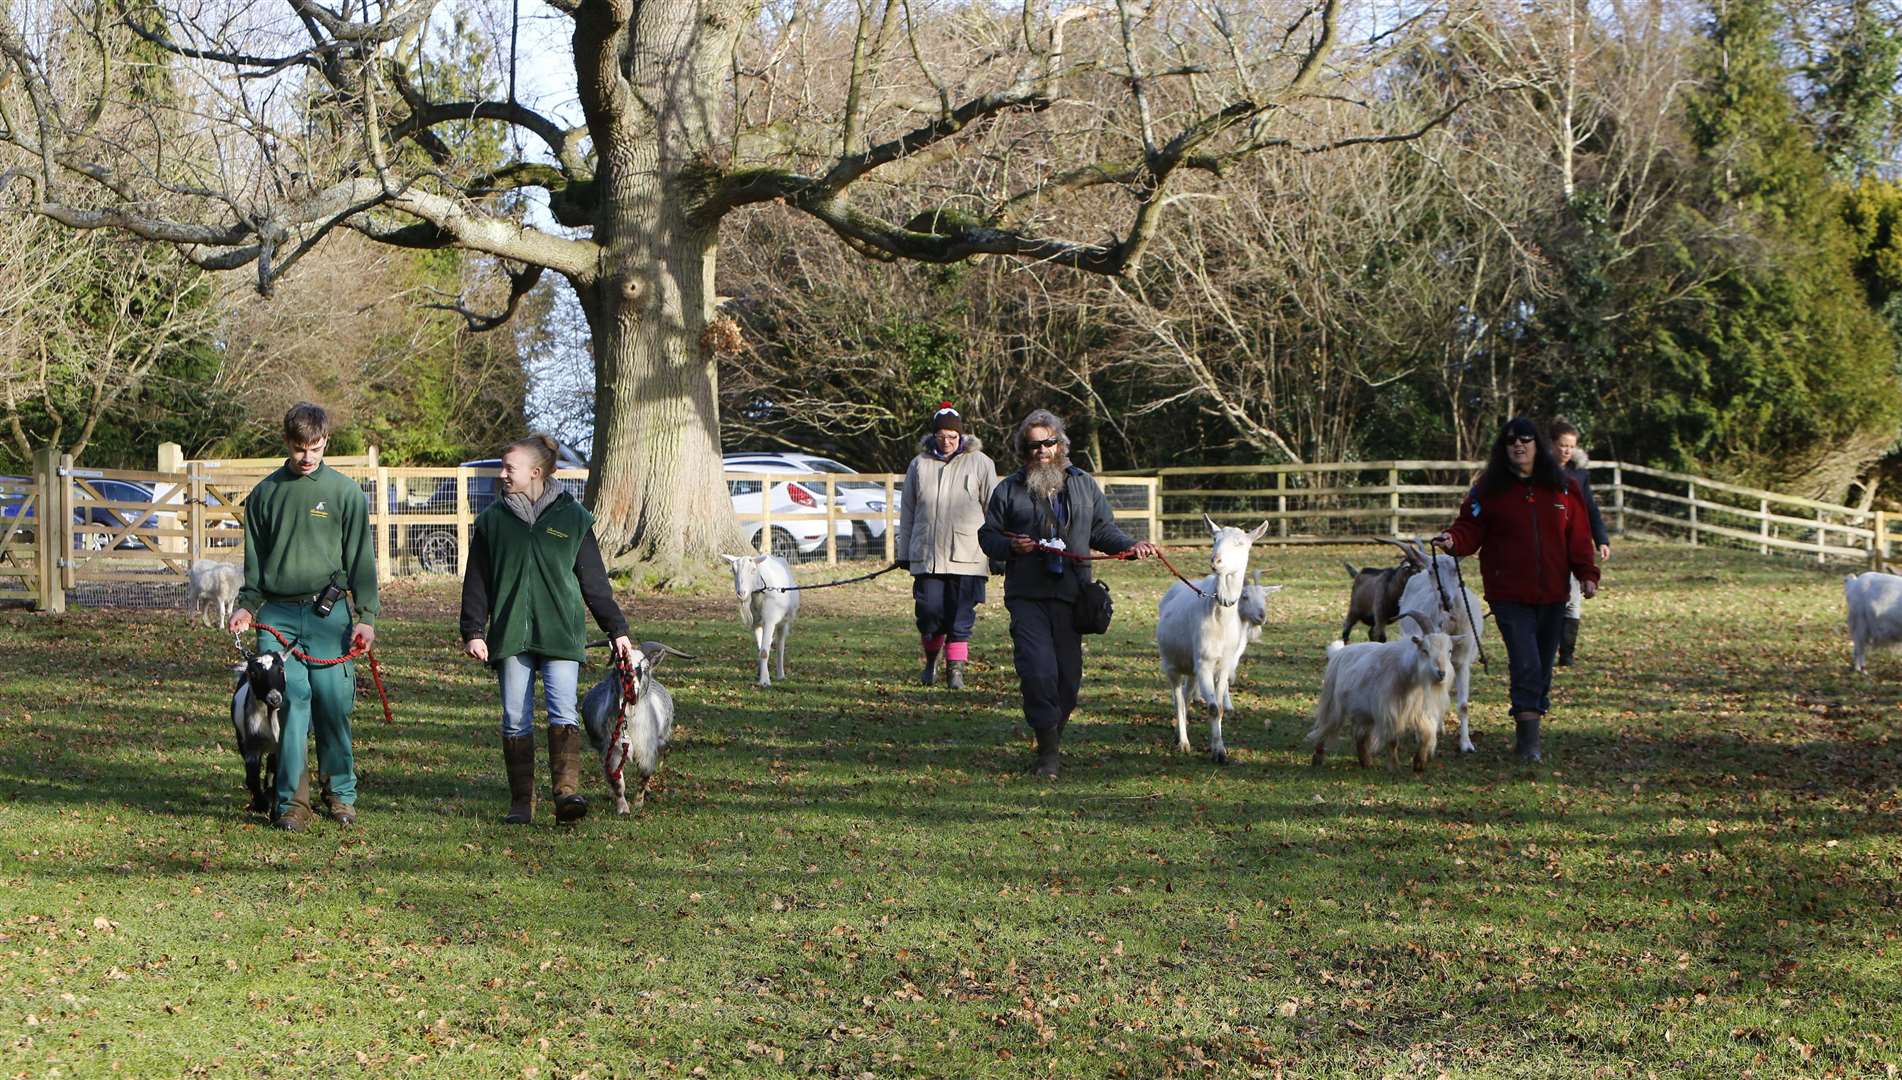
{"points": [[327, 599]]}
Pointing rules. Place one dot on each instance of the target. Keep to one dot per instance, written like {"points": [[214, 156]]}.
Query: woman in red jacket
{"points": [[1528, 524]]}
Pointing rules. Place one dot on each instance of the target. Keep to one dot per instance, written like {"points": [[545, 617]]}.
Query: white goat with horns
{"points": [[769, 602], [1200, 632]]}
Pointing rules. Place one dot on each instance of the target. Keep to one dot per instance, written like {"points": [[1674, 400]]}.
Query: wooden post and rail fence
{"points": [[126, 527]]}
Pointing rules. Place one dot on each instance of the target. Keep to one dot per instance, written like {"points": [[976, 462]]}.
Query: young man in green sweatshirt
{"points": [[306, 528]]}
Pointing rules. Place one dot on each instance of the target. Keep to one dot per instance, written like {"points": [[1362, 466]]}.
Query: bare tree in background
{"points": [[301, 120], [84, 326]]}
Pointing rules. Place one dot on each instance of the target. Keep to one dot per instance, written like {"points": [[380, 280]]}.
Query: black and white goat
{"points": [[645, 730], [257, 705]]}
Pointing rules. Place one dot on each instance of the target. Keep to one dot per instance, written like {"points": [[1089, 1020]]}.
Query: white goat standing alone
{"points": [[1201, 637], [213, 584], [768, 604], [1875, 612], [646, 729], [1383, 692], [1465, 624]]}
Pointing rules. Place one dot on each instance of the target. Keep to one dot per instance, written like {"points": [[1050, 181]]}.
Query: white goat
{"points": [[213, 584], [1253, 608], [1201, 634], [1383, 692], [645, 730], [768, 604], [1875, 612], [1465, 623]]}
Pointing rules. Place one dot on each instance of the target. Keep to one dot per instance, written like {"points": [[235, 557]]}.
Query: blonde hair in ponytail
{"points": [[540, 448]]}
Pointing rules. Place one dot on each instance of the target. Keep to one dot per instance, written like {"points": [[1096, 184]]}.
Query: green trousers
{"points": [[318, 697]]}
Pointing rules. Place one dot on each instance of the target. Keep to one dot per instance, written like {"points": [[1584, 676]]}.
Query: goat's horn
{"points": [[1407, 549], [653, 648]]}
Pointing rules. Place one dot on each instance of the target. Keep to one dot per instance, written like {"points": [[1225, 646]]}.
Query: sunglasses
{"points": [[1044, 443], [1521, 440]]}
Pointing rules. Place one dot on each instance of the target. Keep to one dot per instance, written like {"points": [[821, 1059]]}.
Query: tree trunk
{"points": [[656, 487]]}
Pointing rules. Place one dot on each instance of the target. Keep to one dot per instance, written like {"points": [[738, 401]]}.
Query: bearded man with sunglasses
{"points": [[1528, 523], [1037, 517]]}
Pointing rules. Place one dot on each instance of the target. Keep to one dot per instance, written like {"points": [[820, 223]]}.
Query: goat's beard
{"points": [[1045, 478]]}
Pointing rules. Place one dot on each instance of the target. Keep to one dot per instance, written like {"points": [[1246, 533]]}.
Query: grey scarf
{"points": [[530, 509]]}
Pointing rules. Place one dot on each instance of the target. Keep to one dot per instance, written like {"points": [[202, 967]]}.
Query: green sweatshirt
{"points": [[535, 596], [299, 531]]}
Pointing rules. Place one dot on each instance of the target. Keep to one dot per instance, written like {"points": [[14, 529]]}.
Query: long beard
{"points": [[1046, 478]]}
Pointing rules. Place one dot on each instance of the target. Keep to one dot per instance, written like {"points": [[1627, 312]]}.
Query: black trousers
{"points": [[1531, 632], [947, 604], [1049, 655]]}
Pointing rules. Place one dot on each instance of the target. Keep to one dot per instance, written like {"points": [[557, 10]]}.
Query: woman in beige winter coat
{"points": [[946, 489]]}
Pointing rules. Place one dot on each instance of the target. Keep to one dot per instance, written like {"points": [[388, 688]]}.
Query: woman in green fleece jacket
{"points": [[533, 565]]}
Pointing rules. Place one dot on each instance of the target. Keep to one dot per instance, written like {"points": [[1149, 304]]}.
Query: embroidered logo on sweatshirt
{"points": [[319, 511], [557, 533]]}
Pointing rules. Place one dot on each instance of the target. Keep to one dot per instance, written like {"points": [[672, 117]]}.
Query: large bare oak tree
{"points": [[1054, 132]]}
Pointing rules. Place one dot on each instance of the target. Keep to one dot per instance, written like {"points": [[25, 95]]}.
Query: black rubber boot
{"points": [[954, 678], [1046, 763], [1568, 642], [1526, 743], [930, 673]]}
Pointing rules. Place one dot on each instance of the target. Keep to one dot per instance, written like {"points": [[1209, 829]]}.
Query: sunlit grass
{"points": [[849, 873]]}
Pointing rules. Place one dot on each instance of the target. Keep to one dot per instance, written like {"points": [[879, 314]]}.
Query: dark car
{"points": [[482, 488]]}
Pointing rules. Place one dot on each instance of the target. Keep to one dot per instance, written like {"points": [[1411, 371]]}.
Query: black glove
{"points": [[902, 564]]}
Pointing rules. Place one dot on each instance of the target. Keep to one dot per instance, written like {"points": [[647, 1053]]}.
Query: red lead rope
{"points": [[1124, 555], [376, 672], [628, 693]]}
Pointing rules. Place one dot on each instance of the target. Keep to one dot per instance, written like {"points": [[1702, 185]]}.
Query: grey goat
{"points": [[646, 731], [1375, 601]]}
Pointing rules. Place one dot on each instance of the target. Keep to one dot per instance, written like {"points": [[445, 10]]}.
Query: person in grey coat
{"points": [[1037, 515], [946, 488], [1574, 464]]}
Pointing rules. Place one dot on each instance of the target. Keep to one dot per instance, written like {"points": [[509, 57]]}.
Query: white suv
{"points": [[807, 537]]}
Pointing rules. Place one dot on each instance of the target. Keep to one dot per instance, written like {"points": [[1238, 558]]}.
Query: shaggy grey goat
{"points": [[646, 730]]}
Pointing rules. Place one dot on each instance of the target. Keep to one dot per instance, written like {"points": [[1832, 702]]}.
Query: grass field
{"points": [[849, 874]]}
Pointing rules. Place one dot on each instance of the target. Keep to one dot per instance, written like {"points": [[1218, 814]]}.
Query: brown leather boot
{"points": [[518, 755], [299, 816], [340, 812], [564, 769]]}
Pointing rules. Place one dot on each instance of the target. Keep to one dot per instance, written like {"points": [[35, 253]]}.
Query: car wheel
{"points": [[860, 544], [785, 546], [435, 552]]}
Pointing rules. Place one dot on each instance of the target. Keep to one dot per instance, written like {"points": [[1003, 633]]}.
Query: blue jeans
{"points": [[517, 676]]}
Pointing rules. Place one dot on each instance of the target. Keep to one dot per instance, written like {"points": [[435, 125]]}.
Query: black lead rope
{"points": [[1472, 625], [829, 584]]}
